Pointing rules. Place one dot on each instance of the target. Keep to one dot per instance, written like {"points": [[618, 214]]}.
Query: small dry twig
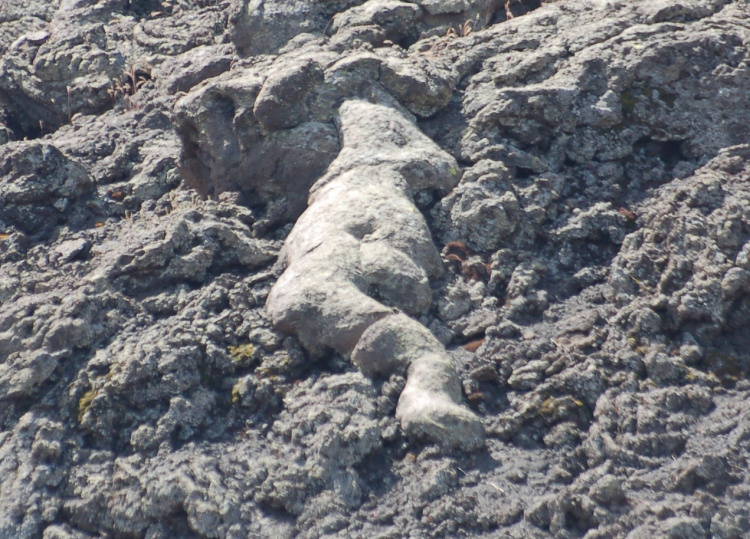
{"points": [[493, 485], [463, 30], [70, 114]]}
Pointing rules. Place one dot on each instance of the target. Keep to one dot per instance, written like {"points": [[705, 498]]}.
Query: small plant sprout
{"points": [[132, 80], [463, 30]]}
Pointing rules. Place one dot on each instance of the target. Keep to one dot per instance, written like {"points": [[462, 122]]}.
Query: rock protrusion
{"points": [[41, 188], [361, 253]]}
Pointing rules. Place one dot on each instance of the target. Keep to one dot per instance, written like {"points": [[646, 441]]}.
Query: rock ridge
{"points": [[361, 253]]}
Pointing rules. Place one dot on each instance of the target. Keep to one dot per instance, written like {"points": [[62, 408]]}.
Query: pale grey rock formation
{"points": [[360, 253]]}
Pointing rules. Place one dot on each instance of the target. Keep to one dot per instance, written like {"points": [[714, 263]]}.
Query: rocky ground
{"points": [[592, 214]]}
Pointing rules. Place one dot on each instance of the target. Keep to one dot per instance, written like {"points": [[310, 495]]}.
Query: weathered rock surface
{"points": [[361, 252], [559, 214]]}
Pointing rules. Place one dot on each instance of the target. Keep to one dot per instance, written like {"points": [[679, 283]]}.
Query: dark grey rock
{"points": [[554, 227], [41, 188]]}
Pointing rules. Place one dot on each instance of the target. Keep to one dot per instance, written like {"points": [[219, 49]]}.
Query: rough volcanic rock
{"points": [[362, 251], [71, 57], [41, 188], [581, 277]]}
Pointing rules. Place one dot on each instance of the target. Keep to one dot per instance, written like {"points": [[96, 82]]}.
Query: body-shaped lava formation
{"points": [[359, 260]]}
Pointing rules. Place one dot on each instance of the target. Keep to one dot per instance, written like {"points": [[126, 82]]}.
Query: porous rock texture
{"points": [[361, 252], [230, 228]]}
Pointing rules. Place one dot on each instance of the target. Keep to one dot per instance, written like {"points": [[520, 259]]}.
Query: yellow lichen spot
{"points": [[235, 394], [637, 281], [84, 403], [578, 403], [242, 352], [548, 406], [99, 224], [4, 236], [454, 170]]}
